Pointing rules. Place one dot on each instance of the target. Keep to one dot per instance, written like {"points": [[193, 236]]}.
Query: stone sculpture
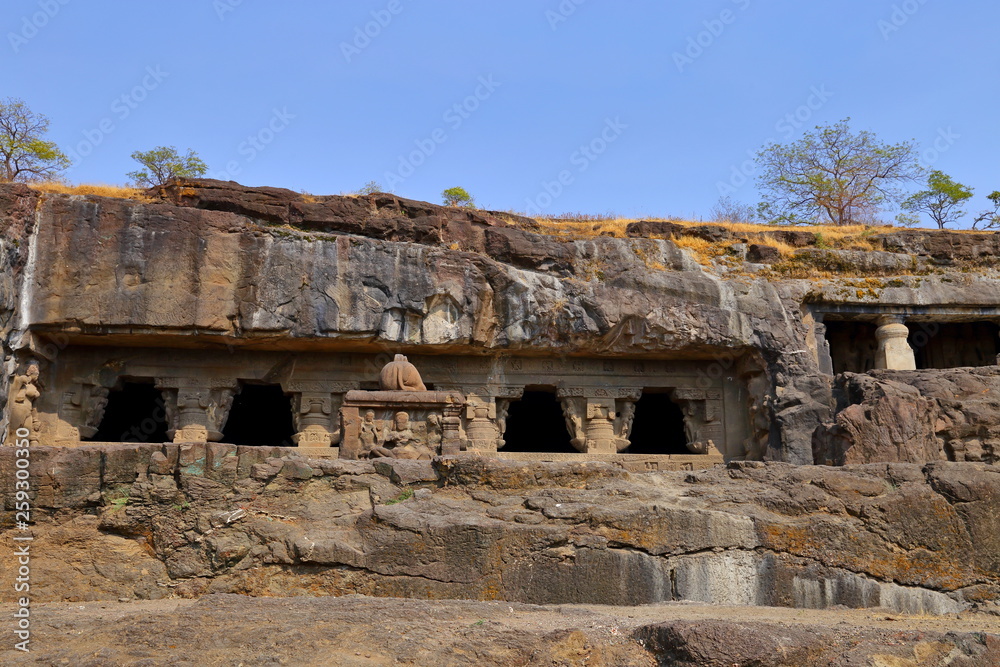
{"points": [[400, 441], [21, 405], [368, 433], [400, 375], [435, 428]]}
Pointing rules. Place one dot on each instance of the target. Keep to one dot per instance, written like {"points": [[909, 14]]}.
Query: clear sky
{"points": [[639, 108]]}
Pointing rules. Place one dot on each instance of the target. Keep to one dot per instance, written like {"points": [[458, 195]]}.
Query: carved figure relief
{"points": [[435, 431], [623, 424], [369, 432], [21, 405], [574, 413], [400, 441]]}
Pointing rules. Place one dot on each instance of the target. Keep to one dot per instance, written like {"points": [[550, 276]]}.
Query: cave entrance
{"points": [[658, 426], [954, 344], [853, 346], [135, 413], [261, 415], [535, 423]]}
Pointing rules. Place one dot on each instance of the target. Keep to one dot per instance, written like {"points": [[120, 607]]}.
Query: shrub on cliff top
{"points": [[164, 163]]}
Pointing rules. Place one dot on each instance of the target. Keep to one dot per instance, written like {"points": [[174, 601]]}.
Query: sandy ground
{"points": [[356, 630]]}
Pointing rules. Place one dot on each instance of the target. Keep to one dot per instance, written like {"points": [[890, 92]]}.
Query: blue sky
{"points": [[638, 108]]}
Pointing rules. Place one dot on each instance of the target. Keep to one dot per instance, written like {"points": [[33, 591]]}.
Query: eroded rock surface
{"points": [[915, 417], [154, 521]]}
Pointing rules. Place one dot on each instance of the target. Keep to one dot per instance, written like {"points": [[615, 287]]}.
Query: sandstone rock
{"points": [[406, 472], [650, 228], [914, 416], [794, 238], [944, 247], [762, 254], [893, 535]]}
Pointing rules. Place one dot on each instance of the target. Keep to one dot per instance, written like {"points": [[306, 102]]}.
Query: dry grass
{"points": [[855, 237], [96, 189]]}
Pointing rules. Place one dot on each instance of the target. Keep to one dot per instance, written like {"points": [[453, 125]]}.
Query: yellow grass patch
{"points": [[96, 189]]}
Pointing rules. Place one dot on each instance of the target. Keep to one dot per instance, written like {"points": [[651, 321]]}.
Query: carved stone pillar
{"points": [[451, 427], [481, 428], [196, 410], [316, 411], [313, 417], [893, 350], [486, 414], [600, 426]]}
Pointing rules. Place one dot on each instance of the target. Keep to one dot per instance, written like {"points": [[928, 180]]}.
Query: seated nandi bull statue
{"points": [[400, 375]]}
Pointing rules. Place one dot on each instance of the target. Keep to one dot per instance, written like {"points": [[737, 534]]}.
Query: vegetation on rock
{"points": [[25, 155], [835, 175], [164, 163], [941, 200]]}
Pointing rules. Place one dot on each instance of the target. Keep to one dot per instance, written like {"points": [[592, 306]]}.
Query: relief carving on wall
{"points": [[24, 391]]}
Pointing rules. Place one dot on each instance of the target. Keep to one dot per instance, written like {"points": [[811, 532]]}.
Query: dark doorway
{"points": [[658, 427], [852, 346], [535, 423], [261, 415], [135, 413], [954, 345]]}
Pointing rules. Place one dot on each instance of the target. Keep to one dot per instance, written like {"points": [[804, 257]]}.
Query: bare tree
{"points": [[729, 210]]}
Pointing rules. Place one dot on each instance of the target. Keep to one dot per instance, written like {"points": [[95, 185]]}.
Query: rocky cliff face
{"points": [[207, 262], [17, 227], [151, 521]]}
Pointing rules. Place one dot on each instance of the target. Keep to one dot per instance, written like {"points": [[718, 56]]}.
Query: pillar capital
{"points": [[886, 320]]}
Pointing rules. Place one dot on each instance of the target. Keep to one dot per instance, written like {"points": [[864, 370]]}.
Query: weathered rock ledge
{"points": [[155, 521]]}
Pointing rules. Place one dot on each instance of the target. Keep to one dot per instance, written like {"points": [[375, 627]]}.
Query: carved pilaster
{"points": [[625, 409], [703, 424], [502, 408], [575, 412], [81, 411]]}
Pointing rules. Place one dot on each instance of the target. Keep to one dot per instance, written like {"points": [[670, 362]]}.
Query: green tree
{"points": [[834, 175], [24, 154], [941, 199], [458, 197], [164, 163], [990, 218]]}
